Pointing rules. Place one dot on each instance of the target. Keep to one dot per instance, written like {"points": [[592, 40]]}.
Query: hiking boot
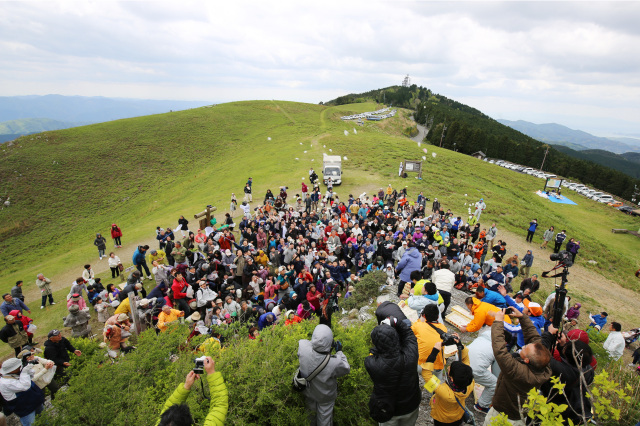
{"points": [[481, 409]]}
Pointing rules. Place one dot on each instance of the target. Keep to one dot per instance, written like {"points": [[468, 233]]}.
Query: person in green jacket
{"points": [[176, 412]]}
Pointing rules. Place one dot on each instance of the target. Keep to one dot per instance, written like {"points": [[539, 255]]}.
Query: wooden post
{"points": [[134, 312]]}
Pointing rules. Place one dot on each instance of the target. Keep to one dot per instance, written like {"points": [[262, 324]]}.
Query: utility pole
{"points": [[545, 157], [444, 127]]}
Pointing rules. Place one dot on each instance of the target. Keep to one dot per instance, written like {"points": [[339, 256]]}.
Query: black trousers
{"points": [[115, 272], [446, 297], [530, 236], [556, 248], [44, 299]]}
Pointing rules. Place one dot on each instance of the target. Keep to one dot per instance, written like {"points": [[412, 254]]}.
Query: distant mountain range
{"points": [[22, 115], [574, 139]]}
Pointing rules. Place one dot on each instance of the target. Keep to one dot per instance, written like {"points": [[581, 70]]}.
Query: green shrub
{"points": [[257, 373], [366, 291]]}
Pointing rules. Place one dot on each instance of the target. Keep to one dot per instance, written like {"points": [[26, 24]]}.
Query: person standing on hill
{"points": [[183, 226], [532, 230], [322, 391], [247, 192], [140, 260], [492, 233], [560, 237], [480, 207], [101, 243], [548, 236], [44, 284], [116, 234]]}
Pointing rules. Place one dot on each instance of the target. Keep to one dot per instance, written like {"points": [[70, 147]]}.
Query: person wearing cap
{"points": [[57, 349], [116, 333], [78, 321], [157, 256], [21, 395], [10, 303], [42, 368], [168, 316], [14, 333], [480, 207], [78, 301], [204, 296]]}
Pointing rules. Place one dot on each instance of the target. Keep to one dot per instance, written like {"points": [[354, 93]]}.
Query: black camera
{"points": [[448, 339], [563, 257], [508, 311], [199, 367]]}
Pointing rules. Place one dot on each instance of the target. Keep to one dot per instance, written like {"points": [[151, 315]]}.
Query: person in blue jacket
{"points": [[411, 261], [266, 320], [140, 260], [598, 321], [532, 230], [490, 296]]}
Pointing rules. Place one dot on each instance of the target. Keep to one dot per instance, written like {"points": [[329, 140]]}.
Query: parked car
{"points": [[616, 204], [596, 195], [629, 210], [605, 199]]}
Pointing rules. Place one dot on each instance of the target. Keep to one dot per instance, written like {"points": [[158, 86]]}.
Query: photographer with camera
{"points": [[449, 396], [322, 390], [427, 331], [530, 369], [392, 367], [176, 413]]}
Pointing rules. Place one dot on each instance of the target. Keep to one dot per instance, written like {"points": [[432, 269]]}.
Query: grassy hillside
{"points": [[145, 172]]}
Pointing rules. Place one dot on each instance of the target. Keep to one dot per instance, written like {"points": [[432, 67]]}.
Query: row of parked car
{"points": [[579, 188]]}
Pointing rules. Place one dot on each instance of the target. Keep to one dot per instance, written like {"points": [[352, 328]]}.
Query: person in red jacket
{"points": [[25, 320], [116, 233], [179, 291], [314, 296], [226, 241], [304, 190]]}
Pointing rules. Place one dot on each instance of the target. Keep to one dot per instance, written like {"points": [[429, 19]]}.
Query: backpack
{"points": [[300, 383]]}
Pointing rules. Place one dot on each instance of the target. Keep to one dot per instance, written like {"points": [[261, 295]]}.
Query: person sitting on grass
{"points": [[176, 413]]}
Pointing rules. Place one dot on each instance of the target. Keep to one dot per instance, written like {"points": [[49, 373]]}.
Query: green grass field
{"points": [[146, 172]]}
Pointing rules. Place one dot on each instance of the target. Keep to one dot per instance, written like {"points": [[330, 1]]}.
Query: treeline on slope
{"points": [[398, 96], [618, 162], [469, 131]]}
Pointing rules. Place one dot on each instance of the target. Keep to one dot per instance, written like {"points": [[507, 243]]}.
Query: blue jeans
{"points": [[30, 418]]}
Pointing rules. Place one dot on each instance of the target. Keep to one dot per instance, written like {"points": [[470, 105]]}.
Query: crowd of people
{"points": [[294, 259]]}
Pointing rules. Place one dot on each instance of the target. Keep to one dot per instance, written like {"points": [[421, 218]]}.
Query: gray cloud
{"points": [[515, 60]]}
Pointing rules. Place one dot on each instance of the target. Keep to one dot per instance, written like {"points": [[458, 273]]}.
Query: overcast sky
{"points": [[576, 63]]}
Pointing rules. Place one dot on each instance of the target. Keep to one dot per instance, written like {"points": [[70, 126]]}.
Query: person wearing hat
{"points": [[14, 333], [157, 256], [116, 332], [77, 300], [168, 316], [231, 306], [78, 321], [21, 395], [43, 369], [57, 349]]}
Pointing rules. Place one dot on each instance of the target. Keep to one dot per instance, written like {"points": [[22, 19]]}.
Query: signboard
{"points": [[554, 183], [413, 166]]}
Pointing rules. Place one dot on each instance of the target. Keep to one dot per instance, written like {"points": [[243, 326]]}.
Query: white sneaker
{"points": [[41, 307], [149, 278], [52, 303]]}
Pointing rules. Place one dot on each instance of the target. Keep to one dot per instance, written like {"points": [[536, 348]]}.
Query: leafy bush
{"points": [[257, 373], [365, 291]]}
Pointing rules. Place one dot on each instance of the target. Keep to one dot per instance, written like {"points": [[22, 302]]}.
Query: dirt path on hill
{"points": [[623, 304]]}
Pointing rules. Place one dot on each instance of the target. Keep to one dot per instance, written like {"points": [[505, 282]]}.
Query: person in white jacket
{"points": [[485, 369], [614, 344], [43, 369], [204, 296]]}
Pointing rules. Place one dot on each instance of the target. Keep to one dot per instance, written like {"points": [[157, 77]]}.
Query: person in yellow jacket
{"points": [[445, 409], [262, 259], [428, 337], [480, 311], [157, 256], [124, 307], [167, 316], [176, 412]]}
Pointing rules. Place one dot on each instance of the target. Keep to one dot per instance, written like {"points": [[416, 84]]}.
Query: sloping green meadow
{"points": [[144, 172]]}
